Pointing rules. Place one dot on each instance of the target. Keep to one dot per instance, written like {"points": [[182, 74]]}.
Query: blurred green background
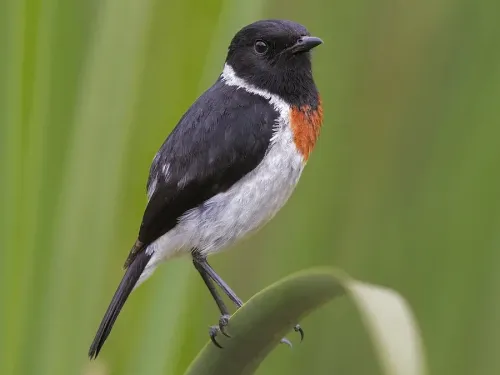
{"points": [[400, 191]]}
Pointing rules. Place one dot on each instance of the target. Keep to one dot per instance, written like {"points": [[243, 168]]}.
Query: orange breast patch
{"points": [[306, 125]]}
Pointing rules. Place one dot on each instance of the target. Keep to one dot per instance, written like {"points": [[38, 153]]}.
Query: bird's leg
{"points": [[221, 283], [224, 319], [203, 264]]}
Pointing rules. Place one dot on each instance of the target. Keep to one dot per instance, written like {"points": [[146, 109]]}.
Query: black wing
{"points": [[222, 137]]}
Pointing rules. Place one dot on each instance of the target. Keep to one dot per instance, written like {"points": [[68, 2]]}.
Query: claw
{"points": [[213, 333], [299, 329], [223, 323], [223, 330], [286, 341]]}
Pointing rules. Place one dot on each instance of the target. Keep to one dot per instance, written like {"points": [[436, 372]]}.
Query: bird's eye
{"points": [[260, 47]]}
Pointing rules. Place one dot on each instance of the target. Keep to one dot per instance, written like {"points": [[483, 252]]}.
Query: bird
{"points": [[230, 164]]}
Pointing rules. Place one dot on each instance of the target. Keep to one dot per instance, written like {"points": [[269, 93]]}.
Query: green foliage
{"points": [[402, 189], [258, 326]]}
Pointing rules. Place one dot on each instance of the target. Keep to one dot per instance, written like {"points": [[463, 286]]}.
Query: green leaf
{"points": [[258, 326]]}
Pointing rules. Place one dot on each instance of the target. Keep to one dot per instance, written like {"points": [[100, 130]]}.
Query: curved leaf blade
{"points": [[258, 326]]}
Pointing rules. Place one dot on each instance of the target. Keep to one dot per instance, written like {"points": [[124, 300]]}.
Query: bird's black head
{"points": [[274, 55]]}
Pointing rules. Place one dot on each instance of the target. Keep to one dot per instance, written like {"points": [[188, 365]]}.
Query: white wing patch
{"points": [[165, 168], [165, 174], [152, 187]]}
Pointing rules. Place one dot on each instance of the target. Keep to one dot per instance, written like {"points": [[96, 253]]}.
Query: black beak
{"points": [[305, 44]]}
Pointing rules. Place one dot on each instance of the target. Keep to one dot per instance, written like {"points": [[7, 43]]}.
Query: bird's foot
{"points": [[298, 329], [224, 322], [214, 330]]}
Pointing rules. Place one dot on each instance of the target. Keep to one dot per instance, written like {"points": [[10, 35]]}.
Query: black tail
{"points": [[128, 282]]}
